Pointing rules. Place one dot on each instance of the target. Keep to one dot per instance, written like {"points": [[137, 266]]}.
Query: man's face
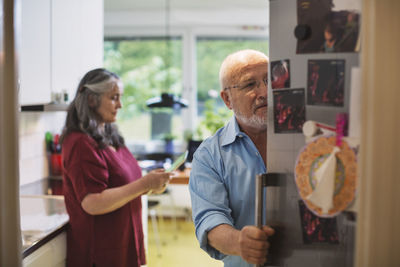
{"points": [[247, 94]]}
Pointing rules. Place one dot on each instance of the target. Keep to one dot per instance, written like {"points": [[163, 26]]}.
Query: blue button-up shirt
{"points": [[222, 185]]}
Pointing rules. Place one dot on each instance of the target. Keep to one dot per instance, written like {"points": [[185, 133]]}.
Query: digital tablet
{"points": [[178, 162]]}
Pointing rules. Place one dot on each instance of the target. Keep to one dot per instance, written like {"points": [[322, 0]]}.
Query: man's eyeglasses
{"points": [[249, 85]]}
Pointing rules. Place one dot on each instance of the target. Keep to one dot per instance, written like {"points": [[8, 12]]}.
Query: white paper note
{"points": [[322, 196]]}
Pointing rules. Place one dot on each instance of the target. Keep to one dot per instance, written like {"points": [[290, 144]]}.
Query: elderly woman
{"points": [[103, 183]]}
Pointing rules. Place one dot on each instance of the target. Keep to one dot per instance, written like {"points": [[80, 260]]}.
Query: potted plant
{"points": [[169, 142], [214, 118]]}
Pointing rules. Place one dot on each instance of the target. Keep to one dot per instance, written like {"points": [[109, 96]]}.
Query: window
{"points": [[152, 65], [147, 67]]}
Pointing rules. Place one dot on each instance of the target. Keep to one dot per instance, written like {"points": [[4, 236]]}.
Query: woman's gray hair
{"points": [[82, 112]]}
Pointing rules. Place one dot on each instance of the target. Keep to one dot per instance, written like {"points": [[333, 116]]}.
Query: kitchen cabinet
{"points": [[60, 41], [77, 41], [53, 253], [34, 52]]}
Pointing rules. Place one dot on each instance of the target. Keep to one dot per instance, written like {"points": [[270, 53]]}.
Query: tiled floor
{"points": [[179, 248]]}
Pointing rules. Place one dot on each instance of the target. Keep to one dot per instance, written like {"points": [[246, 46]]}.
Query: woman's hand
{"points": [[157, 180], [158, 191], [113, 198]]}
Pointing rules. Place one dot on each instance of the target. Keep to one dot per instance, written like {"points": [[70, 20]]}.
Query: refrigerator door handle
{"points": [[262, 181]]}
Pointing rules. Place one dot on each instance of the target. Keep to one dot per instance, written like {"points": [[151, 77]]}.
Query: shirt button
{"points": [[240, 135]]}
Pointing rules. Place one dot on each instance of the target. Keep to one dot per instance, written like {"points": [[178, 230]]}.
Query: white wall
{"points": [[234, 18], [33, 160]]}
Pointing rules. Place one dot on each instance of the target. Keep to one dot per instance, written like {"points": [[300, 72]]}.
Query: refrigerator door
{"points": [[302, 239]]}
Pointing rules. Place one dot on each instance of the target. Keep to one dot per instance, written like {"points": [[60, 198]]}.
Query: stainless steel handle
{"points": [[259, 200], [260, 183], [264, 181]]}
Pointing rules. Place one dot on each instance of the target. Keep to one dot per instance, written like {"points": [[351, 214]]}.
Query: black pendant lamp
{"points": [[167, 100]]}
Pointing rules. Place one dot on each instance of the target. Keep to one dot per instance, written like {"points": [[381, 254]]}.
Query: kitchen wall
{"points": [[32, 149]]}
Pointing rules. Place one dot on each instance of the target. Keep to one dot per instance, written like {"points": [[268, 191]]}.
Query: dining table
{"points": [[180, 177]]}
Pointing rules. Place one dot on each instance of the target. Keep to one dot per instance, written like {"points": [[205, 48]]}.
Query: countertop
{"points": [[43, 217]]}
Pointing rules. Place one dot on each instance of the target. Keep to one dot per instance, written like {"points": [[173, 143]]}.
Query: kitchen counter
{"points": [[43, 217]]}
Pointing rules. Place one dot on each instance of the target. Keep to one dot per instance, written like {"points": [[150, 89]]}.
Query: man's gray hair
{"points": [[229, 70]]}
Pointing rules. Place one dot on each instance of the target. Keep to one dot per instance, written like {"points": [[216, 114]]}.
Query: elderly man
{"points": [[222, 180]]}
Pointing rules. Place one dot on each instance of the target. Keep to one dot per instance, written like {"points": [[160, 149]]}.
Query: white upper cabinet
{"points": [[77, 41], [34, 52], [92, 35], [65, 46], [60, 41]]}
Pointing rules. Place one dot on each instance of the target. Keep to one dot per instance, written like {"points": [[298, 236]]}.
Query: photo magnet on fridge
{"points": [[289, 110], [280, 74], [332, 26], [325, 82], [316, 229]]}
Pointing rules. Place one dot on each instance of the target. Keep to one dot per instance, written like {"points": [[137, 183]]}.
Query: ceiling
{"points": [[131, 5]]}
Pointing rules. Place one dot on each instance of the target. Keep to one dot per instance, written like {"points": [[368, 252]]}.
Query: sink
{"points": [[40, 216], [30, 237]]}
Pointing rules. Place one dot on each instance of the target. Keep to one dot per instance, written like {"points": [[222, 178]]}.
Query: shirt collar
{"points": [[230, 132]]}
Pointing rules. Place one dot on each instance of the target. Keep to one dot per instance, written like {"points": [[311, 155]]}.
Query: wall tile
{"points": [[32, 148], [33, 169]]}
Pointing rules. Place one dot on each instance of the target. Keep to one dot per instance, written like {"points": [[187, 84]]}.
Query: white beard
{"points": [[252, 121]]}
